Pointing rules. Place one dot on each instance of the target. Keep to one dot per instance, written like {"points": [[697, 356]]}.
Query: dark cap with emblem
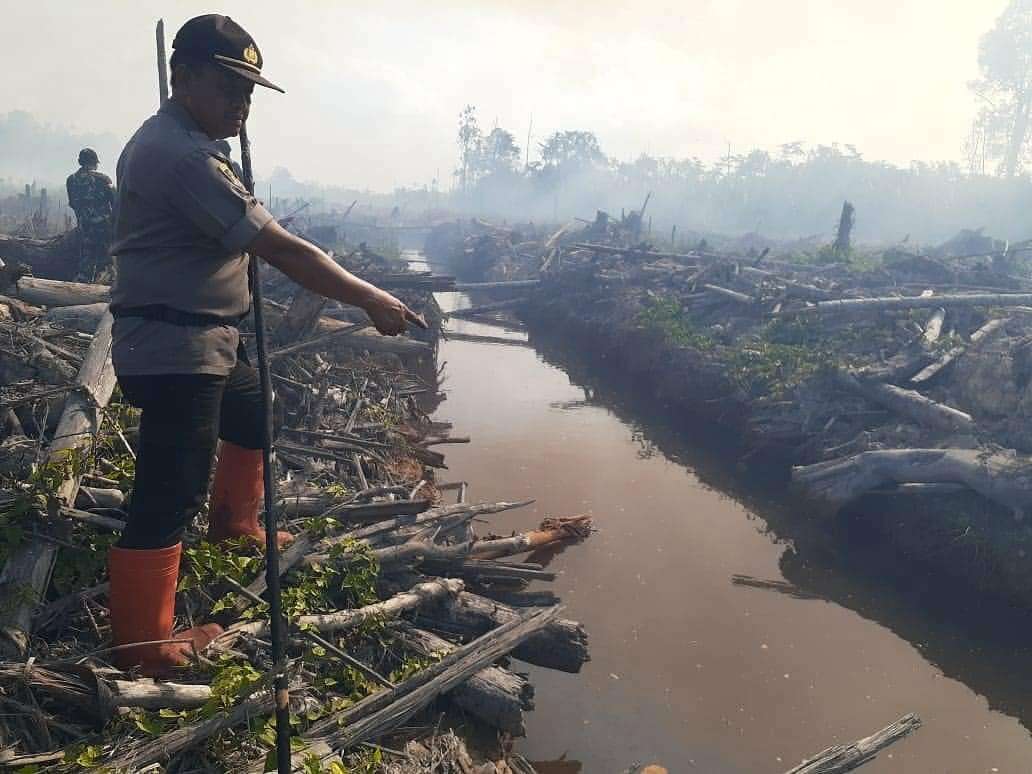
{"points": [[219, 39]]}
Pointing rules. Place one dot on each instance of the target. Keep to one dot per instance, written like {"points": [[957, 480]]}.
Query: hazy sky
{"points": [[374, 89]]}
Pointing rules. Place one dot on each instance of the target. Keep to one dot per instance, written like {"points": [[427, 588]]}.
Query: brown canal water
{"points": [[690, 670]]}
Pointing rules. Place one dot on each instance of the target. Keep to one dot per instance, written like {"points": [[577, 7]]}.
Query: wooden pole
{"points": [[277, 623], [159, 34]]}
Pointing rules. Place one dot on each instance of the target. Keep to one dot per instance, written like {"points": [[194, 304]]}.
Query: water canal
{"points": [[689, 669]]}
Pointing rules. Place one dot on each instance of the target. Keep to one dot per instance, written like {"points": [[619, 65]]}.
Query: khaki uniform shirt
{"points": [[183, 220]]}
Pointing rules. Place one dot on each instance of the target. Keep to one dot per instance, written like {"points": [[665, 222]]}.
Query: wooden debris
{"points": [[26, 574], [842, 758]]}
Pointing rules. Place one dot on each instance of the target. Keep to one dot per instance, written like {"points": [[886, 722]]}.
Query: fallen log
{"points": [[550, 531], [26, 574], [381, 712], [366, 512], [562, 645], [487, 570], [1003, 477], [478, 339], [951, 355], [135, 756], [320, 340], [497, 306], [51, 293], [80, 317], [508, 285], [493, 695], [544, 598], [842, 758], [342, 620], [908, 403], [636, 252], [891, 303], [734, 295], [153, 695]]}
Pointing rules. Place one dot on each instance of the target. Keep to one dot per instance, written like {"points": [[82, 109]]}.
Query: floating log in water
{"points": [[842, 758]]}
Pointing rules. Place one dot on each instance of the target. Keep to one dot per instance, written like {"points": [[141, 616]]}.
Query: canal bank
{"points": [[692, 666]]}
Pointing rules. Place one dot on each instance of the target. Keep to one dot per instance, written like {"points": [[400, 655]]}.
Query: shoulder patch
{"points": [[227, 171]]}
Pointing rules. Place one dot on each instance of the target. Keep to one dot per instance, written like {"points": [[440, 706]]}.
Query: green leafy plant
{"points": [[667, 317]]}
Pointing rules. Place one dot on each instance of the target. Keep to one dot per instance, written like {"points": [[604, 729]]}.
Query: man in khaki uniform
{"points": [[185, 227]]}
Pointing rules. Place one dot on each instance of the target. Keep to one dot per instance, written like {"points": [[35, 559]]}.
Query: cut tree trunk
{"points": [[493, 695], [301, 318], [153, 695], [562, 645], [81, 317], [26, 575], [1003, 477]]}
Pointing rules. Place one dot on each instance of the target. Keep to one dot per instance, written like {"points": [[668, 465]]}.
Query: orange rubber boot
{"points": [[236, 495], [143, 602]]}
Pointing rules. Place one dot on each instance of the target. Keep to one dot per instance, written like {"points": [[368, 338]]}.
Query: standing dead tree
{"points": [[844, 233]]}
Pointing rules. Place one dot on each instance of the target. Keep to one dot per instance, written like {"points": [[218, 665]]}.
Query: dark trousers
{"points": [[184, 416]]}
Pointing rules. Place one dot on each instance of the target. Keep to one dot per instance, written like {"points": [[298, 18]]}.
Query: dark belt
{"points": [[167, 314]]}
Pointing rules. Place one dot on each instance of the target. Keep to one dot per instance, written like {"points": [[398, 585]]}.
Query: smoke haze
{"points": [[374, 90]]}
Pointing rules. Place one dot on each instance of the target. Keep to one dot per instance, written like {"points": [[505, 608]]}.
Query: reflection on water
{"points": [[726, 634]]}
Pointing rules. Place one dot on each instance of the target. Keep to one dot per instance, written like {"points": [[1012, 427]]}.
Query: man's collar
{"points": [[181, 115]]}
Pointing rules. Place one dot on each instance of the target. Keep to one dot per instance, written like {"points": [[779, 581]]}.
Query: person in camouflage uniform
{"points": [[92, 196]]}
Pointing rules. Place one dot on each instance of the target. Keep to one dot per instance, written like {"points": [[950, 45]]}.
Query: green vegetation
{"points": [[667, 317], [777, 356]]}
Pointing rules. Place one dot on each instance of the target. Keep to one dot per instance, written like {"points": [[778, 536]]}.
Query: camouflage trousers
{"points": [[94, 252]]}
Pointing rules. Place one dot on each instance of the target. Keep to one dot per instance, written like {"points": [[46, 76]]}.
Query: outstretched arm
{"points": [[313, 269]]}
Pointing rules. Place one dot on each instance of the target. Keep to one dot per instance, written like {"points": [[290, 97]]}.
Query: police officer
{"points": [[184, 230], [92, 197]]}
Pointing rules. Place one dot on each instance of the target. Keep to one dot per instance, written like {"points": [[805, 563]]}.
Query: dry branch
{"points": [[414, 598]]}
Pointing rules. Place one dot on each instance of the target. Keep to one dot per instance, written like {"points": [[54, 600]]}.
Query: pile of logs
{"points": [[359, 488]]}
